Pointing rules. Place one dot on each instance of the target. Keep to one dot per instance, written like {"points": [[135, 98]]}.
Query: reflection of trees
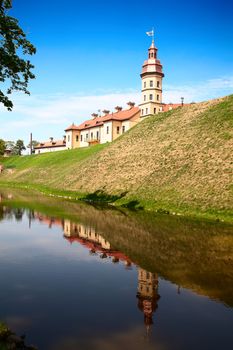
{"points": [[1, 213], [18, 214], [11, 213]]}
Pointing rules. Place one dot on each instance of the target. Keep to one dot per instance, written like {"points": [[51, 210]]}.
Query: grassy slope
{"points": [[180, 160]]}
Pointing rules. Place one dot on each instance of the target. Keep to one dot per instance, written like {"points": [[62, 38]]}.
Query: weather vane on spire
{"points": [[151, 33]]}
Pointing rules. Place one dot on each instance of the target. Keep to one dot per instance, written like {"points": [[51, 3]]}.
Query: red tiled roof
{"points": [[120, 116], [49, 144], [72, 127]]}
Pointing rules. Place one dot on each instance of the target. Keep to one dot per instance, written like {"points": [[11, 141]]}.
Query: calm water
{"points": [[78, 277]]}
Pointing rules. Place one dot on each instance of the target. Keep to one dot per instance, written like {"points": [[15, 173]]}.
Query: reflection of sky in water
{"points": [[62, 297]]}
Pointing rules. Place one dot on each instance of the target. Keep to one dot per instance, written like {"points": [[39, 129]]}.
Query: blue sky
{"points": [[90, 53]]}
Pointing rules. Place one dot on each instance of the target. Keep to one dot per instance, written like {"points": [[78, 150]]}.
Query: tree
{"points": [[15, 71], [34, 144], [19, 147], [2, 147]]}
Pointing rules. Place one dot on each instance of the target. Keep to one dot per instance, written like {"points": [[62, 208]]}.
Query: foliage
{"points": [[2, 147], [15, 71], [34, 144], [19, 147]]}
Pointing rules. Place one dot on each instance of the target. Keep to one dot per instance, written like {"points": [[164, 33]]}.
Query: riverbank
{"points": [[179, 163]]}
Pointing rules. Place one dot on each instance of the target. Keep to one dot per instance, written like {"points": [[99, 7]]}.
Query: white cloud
{"points": [[49, 115], [205, 90]]}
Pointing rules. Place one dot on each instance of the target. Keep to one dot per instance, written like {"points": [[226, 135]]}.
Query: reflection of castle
{"points": [[147, 294], [86, 232], [89, 237], [50, 221]]}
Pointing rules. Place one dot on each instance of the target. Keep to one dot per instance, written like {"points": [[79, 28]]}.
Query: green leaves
{"points": [[14, 69]]}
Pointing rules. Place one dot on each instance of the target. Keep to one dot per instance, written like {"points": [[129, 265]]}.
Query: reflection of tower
{"points": [[147, 295]]}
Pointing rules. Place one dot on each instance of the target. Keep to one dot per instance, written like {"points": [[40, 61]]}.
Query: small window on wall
{"points": [[151, 97], [118, 130], [81, 137], [107, 131], [86, 136], [68, 138], [76, 138], [151, 83], [144, 84], [144, 97], [142, 111], [97, 135], [154, 110], [158, 85], [123, 128], [91, 135], [157, 97], [146, 110]]}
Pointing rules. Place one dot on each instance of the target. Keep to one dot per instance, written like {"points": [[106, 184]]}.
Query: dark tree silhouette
{"points": [[15, 72]]}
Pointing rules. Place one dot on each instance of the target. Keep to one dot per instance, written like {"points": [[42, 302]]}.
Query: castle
{"points": [[109, 126]]}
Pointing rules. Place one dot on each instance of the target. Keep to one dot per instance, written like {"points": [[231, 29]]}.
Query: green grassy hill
{"points": [[179, 161]]}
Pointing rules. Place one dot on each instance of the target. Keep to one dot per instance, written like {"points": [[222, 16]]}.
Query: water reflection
{"points": [[126, 279], [88, 237]]}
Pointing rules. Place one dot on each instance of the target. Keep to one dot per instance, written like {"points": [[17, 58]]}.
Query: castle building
{"points": [[110, 125], [152, 76], [102, 129]]}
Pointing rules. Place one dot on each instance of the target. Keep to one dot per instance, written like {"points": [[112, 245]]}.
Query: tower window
{"points": [[118, 130], [77, 138], [151, 83], [151, 97], [68, 138], [157, 97], [142, 111], [144, 84], [158, 85], [146, 110], [107, 129], [86, 137], [154, 110], [144, 97]]}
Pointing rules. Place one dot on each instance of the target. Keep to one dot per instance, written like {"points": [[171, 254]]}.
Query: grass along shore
{"points": [[177, 162]]}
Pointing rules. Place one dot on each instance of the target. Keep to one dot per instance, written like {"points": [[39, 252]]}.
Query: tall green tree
{"points": [[19, 147], [2, 147], [15, 71]]}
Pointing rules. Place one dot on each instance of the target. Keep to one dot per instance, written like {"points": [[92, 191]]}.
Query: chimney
{"points": [[118, 108], [51, 139], [131, 104], [94, 115], [106, 111]]}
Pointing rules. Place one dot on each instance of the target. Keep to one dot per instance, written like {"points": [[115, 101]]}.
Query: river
{"points": [[78, 276]]}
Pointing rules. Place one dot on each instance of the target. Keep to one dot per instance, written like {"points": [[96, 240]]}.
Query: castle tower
{"points": [[152, 76]]}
